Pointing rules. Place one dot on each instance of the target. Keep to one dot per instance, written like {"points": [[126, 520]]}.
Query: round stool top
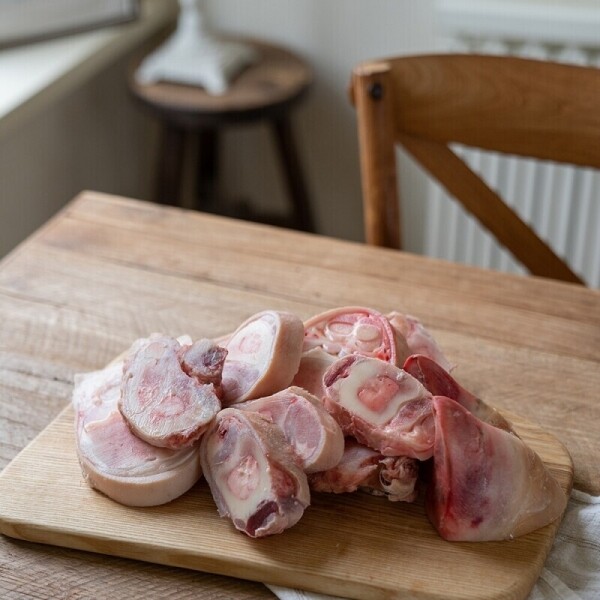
{"points": [[266, 87]]}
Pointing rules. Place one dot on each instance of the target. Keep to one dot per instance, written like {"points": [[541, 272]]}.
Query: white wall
{"points": [[333, 36], [96, 138], [92, 139]]}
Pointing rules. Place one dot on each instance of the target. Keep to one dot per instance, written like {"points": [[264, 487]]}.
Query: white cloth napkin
{"points": [[572, 570]]}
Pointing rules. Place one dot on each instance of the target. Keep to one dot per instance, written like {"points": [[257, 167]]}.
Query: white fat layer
{"points": [[98, 389], [237, 508], [253, 344], [359, 374]]}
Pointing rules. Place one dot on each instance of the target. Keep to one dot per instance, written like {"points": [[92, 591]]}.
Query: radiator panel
{"points": [[560, 202]]}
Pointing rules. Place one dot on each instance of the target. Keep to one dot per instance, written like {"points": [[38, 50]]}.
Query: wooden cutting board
{"points": [[352, 545]]}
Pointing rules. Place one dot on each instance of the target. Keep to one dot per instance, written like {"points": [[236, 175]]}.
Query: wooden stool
{"points": [[264, 91]]}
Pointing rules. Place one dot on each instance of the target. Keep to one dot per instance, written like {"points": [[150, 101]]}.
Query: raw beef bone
{"points": [[165, 396], [381, 405], [312, 432], [355, 330], [487, 484], [418, 338], [253, 473], [440, 383], [203, 361], [263, 356], [116, 462], [362, 468]]}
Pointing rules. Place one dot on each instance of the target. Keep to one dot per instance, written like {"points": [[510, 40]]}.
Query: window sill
{"points": [[34, 75]]}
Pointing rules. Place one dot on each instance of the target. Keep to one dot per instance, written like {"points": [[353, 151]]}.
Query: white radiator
{"points": [[562, 203]]}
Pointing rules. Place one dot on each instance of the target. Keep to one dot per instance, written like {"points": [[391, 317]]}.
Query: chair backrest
{"points": [[512, 105]]}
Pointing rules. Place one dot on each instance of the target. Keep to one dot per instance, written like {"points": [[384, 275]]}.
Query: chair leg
{"points": [[170, 166], [207, 169], [284, 139]]}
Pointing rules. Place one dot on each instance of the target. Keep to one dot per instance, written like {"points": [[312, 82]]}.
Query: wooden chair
{"points": [[511, 105]]}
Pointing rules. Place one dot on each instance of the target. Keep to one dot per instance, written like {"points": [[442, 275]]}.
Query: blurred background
{"points": [[75, 126]]}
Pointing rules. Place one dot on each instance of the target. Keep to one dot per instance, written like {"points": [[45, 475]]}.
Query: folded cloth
{"points": [[572, 570]]}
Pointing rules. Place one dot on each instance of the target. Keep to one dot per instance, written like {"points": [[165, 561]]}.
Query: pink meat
{"points": [[253, 474], [355, 330], [418, 338], [313, 365], [263, 356], [204, 361], [440, 383], [362, 468], [116, 462], [487, 484], [162, 403], [312, 432], [382, 406]]}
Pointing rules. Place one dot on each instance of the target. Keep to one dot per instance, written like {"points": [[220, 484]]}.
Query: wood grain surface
{"points": [[45, 499], [107, 270]]}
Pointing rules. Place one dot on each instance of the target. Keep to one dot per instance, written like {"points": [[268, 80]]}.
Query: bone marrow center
{"points": [[244, 478], [376, 393]]}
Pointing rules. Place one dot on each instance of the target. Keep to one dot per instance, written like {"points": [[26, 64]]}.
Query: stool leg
{"points": [[170, 166], [284, 139], [208, 169]]}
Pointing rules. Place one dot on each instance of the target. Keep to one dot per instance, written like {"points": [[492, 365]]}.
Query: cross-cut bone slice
{"points": [[313, 433], [115, 461], [355, 330], [253, 473], [162, 403], [263, 356], [381, 405]]}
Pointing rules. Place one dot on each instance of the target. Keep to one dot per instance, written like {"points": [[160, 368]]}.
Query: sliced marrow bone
{"points": [[355, 330], [380, 405], [313, 433], [116, 462], [253, 473], [168, 396], [263, 356]]}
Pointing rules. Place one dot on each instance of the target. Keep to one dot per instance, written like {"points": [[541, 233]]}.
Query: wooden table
{"points": [[107, 270]]}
